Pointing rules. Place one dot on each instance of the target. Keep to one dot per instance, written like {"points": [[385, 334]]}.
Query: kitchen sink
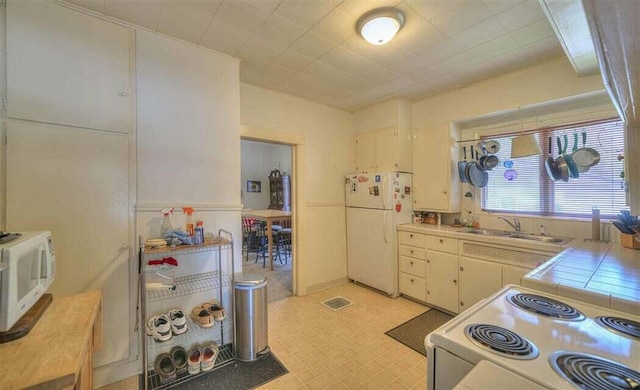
{"points": [[521, 236], [484, 232], [549, 239]]}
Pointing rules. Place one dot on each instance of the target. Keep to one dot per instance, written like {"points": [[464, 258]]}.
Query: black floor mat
{"points": [[413, 332], [239, 375]]}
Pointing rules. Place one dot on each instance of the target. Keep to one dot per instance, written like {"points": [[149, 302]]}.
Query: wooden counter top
{"points": [[58, 349]]}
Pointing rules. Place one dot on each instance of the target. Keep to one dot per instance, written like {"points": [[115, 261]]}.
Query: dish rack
{"points": [[202, 275]]}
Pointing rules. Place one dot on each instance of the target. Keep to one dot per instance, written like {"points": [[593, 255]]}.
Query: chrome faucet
{"points": [[515, 225]]}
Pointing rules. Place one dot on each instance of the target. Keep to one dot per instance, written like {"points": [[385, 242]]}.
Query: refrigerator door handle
{"points": [[384, 193], [384, 226]]}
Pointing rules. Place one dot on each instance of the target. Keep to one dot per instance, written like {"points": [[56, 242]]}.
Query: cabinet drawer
{"points": [[442, 244], [413, 266], [412, 239], [413, 286], [414, 252]]}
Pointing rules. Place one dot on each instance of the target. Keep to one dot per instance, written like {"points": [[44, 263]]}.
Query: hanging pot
{"points": [[585, 157], [462, 165], [562, 164], [551, 165], [574, 173], [492, 147], [476, 176]]}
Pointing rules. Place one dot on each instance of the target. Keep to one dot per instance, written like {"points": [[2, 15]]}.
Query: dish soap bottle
{"points": [[189, 212], [199, 233], [166, 221]]}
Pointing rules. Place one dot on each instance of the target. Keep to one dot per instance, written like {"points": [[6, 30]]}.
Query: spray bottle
{"points": [[190, 227], [166, 221], [199, 233]]}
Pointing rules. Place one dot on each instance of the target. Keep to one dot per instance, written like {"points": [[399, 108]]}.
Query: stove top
{"points": [[501, 341], [545, 306], [622, 326], [513, 317], [592, 372]]}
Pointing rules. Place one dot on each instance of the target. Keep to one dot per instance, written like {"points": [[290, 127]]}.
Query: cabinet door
{"points": [[365, 149], [442, 280], [431, 173], [513, 275], [68, 68], [478, 280], [386, 150], [75, 183]]}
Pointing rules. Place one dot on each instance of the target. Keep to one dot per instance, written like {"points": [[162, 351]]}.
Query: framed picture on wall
{"points": [[254, 186]]}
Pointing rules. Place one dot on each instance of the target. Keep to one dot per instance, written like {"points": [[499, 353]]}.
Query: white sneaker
{"points": [[178, 321], [159, 327]]}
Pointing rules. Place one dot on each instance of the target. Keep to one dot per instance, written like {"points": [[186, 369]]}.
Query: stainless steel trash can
{"points": [[251, 321]]}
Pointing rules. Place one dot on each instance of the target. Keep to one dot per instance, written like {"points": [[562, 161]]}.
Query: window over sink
{"points": [[523, 185]]}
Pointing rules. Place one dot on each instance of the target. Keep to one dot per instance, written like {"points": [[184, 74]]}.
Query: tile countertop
{"points": [[600, 273]]}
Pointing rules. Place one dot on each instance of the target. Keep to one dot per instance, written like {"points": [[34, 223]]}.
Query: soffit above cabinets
{"points": [[310, 48]]}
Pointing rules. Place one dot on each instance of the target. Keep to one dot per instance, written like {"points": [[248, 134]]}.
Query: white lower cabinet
{"points": [[478, 280], [442, 280], [453, 274], [413, 286], [412, 256]]}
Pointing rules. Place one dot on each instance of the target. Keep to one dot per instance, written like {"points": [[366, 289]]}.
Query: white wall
{"points": [[258, 159], [328, 141]]}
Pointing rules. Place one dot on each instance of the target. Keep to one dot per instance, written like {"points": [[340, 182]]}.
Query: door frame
{"points": [[296, 141]]}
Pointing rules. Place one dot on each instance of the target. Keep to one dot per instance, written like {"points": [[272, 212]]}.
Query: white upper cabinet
{"points": [[68, 68], [75, 183], [435, 184], [387, 149]]}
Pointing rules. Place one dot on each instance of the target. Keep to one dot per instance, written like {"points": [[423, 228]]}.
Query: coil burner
{"points": [[591, 372], [501, 341], [545, 306], [621, 326]]}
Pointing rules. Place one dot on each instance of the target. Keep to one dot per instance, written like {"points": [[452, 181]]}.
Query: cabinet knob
{"points": [[445, 192], [411, 262], [428, 292], [455, 281], [428, 261], [411, 235], [461, 268], [441, 241], [123, 94], [415, 201], [411, 280], [411, 251], [461, 303]]}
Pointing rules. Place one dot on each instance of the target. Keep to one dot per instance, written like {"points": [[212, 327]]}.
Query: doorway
{"points": [[267, 183]]}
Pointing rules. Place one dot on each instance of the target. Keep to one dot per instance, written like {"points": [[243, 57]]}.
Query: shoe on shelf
{"points": [[179, 356], [178, 321], [195, 357], [216, 310], [209, 354], [165, 368], [202, 317], [159, 327]]}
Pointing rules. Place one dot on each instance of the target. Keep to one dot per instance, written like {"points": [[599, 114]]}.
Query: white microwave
{"points": [[28, 267]]}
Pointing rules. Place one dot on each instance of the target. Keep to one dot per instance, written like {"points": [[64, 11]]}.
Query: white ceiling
{"points": [[310, 48]]}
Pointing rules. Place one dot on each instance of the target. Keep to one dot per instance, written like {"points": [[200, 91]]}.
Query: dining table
{"points": [[269, 216]]}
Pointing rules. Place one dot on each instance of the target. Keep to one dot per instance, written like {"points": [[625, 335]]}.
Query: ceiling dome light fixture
{"points": [[380, 25]]}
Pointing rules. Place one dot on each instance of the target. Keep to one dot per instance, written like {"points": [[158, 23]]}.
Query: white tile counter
{"points": [[601, 273]]}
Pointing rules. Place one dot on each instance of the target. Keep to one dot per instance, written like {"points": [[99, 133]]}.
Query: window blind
{"points": [[522, 185]]}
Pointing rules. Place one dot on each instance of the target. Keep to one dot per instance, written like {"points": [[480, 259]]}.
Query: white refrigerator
{"points": [[376, 203]]}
